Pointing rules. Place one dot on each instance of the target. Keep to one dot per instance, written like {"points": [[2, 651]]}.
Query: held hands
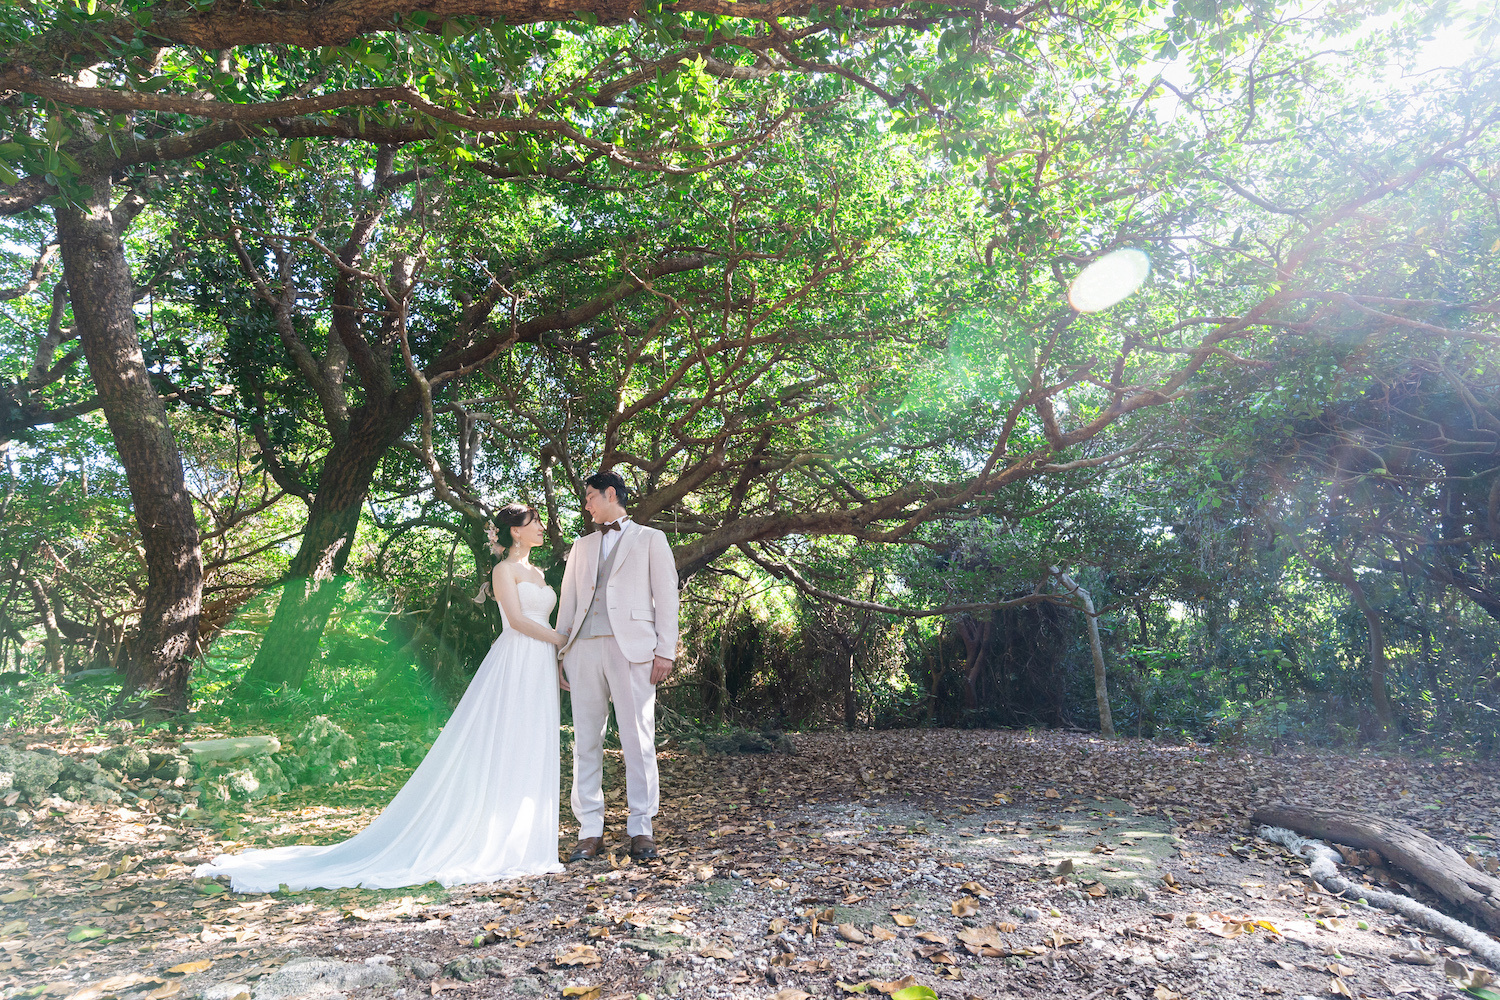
{"points": [[661, 669], [562, 678]]}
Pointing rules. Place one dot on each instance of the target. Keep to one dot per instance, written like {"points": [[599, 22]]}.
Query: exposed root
{"points": [[1323, 860]]}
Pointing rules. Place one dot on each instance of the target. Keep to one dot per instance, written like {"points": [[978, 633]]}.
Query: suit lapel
{"points": [[590, 551], [623, 547]]}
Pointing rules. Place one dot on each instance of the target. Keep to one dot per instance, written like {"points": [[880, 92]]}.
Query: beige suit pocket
{"points": [[643, 616]]}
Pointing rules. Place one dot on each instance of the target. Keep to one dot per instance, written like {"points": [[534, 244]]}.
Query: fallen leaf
{"points": [[914, 992], [791, 994], [716, 951], [893, 986], [166, 989], [188, 968], [975, 889], [978, 938], [1341, 970], [582, 992], [853, 987], [1051, 793], [965, 906], [17, 896], [1064, 867], [1163, 993], [880, 933], [904, 919], [1339, 987], [582, 954], [78, 934], [852, 934]]}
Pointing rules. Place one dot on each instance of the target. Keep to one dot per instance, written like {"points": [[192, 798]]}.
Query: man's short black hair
{"points": [[602, 481]]}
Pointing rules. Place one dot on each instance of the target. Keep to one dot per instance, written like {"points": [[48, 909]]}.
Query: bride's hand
{"points": [[562, 678]]}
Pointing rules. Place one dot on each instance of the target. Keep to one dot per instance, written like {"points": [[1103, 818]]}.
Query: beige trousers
{"points": [[599, 674]]}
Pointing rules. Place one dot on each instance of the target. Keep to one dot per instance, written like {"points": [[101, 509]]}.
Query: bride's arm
{"points": [[509, 597]]}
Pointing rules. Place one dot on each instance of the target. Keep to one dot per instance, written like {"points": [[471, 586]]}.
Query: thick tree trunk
{"points": [[851, 703], [1435, 864], [976, 637], [159, 658], [311, 588], [1378, 692], [52, 644]]}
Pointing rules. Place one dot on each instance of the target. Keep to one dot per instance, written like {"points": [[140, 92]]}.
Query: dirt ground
{"points": [[974, 863]]}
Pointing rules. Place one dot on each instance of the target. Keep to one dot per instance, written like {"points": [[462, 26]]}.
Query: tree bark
{"points": [[52, 645], [1378, 692], [1101, 680], [311, 588], [1435, 864], [976, 637], [159, 658]]}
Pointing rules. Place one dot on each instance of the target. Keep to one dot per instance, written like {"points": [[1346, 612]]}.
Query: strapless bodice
{"points": [[536, 601]]}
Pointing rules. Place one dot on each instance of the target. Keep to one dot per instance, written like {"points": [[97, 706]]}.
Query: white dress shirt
{"points": [[611, 538]]}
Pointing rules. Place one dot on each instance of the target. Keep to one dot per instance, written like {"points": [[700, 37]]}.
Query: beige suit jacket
{"points": [[641, 592]]}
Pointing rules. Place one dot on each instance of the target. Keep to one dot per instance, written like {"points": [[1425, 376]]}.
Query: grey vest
{"points": [[596, 622]]}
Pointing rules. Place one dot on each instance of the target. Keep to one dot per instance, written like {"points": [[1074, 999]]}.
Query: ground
{"points": [[974, 863]]}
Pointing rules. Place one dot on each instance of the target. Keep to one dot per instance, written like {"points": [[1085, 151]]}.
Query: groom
{"points": [[618, 617]]}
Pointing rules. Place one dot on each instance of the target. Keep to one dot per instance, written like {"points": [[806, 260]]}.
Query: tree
{"points": [[114, 99]]}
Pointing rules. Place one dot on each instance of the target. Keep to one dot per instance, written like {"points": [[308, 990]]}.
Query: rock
{"points": [[246, 780], [171, 766], [413, 750], [85, 781], [388, 754], [28, 772], [128, 760], [234, 748], [323, 754], [747, 741], [653, 970], [526, 986], [421, 968], [318, 977], [226, 991], [1027, 912], [471, 968], [14, 819], [656, 944], [671, 981]]}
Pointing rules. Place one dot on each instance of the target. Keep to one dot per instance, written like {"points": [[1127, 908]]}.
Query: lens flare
{"points": [[1108, 280]]}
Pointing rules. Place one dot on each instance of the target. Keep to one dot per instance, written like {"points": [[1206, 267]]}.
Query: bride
{"points": [[483, 804]]}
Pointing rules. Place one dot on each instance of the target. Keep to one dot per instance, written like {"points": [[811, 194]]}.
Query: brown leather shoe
{"points": [[586, 849], [643, 848]]}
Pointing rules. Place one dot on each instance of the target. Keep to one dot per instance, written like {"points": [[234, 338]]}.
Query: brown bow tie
{"points": [[611, 526]]}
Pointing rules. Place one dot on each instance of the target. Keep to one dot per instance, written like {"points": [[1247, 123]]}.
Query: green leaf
{"points": [[1485, 992], [914, 993], [85, 933]]}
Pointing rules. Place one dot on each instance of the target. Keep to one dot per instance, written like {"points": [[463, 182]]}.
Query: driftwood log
{"points": [[1433, 863]]}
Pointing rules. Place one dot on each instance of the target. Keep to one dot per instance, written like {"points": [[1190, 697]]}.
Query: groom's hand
{"points": [[661, 669], [562, 678]]}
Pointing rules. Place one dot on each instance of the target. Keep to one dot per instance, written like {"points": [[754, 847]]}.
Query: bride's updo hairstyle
{"points": [[513, 515]]}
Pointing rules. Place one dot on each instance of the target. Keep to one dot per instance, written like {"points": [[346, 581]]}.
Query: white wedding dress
{"points": [[481, 807]]}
